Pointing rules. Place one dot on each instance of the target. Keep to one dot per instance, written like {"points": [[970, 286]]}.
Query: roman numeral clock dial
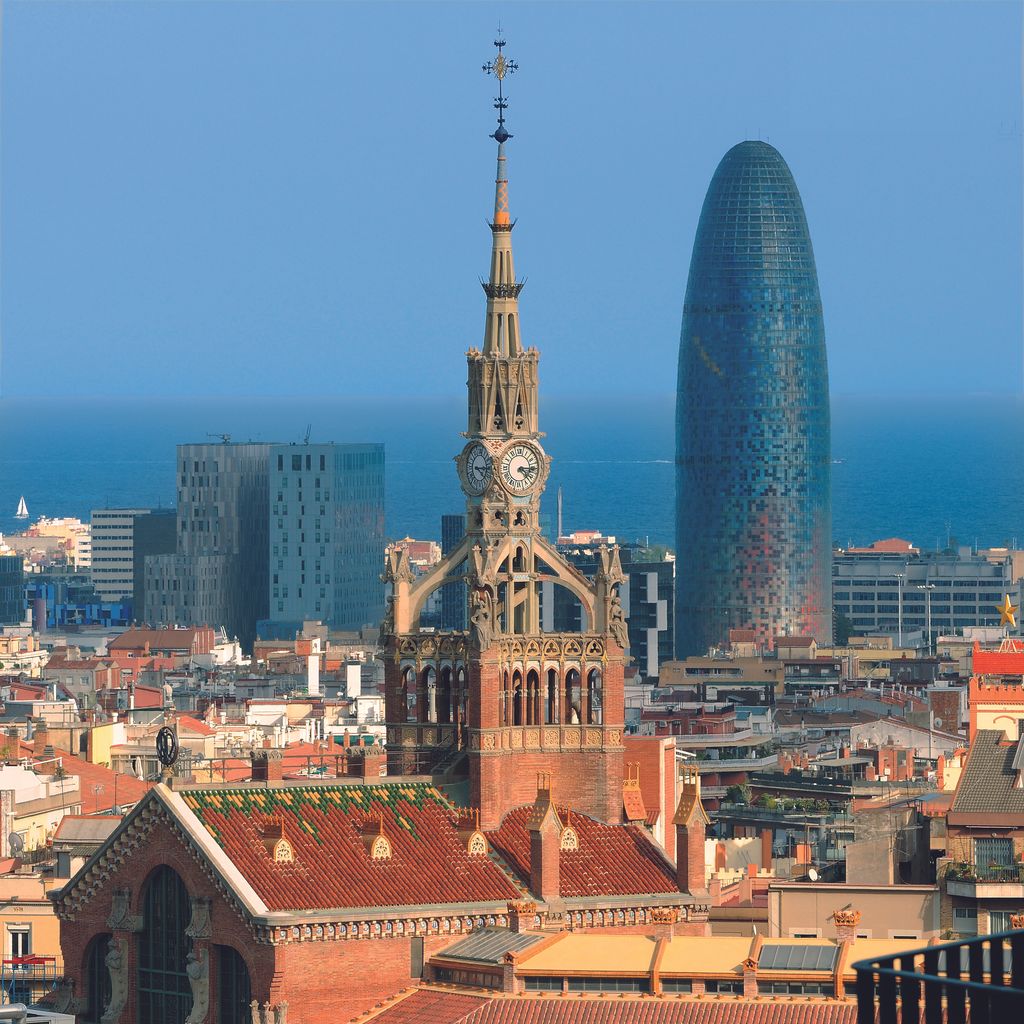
{"points": [[476, 468], [520, 468]]}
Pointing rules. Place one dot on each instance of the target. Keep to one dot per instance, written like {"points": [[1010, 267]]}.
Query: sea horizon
{"points": [[924, 469]]}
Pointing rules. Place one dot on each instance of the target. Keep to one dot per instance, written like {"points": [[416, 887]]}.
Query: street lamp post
{"points": [[899, 607], [927, 588]]}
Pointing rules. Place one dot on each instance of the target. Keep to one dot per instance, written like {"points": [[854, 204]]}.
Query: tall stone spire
{"points": [[510, 696], [501, 329]]}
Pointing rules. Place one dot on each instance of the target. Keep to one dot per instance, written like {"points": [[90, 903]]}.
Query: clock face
{"points": [[520, 468], [478, 467]]}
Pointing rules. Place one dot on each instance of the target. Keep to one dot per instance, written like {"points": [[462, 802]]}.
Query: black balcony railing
{"points": [[978, 980]]}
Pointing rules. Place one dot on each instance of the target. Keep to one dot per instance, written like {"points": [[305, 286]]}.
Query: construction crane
{"points": [[225, 438]]}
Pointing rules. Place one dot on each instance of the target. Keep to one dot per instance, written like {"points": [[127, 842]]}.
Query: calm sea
{"points": [[922, 469]]}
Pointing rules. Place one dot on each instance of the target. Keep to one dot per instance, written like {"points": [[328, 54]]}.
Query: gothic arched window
{"points": [[595, 696], [409, 693], [444, 697], [573, 698], [234, 989], [551, 704], [164, 992], [427, 695], [97, 979]]}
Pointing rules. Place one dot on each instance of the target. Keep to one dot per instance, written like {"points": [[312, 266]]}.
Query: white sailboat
{"points": [[22, 512]]}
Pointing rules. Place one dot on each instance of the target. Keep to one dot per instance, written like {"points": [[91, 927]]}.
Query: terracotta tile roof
{"points": [[997, 663], [612, 1009], [157, 639], [26, 691], [613, 860], [332, 868], [101, 788], [742, 636], [195, 725], [429, 1006], [889, 546]]}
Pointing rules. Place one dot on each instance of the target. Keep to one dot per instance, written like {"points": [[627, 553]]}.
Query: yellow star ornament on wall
{"points": [[1007, 613]]}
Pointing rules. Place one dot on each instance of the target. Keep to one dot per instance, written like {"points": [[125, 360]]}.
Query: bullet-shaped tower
{"points": [[753, 460]]}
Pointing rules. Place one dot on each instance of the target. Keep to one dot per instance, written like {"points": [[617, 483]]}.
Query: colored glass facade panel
{"points": [[753, 463]]}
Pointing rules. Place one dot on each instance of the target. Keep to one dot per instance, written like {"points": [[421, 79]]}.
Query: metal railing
{"points": [[981, 980], [961, 871]]}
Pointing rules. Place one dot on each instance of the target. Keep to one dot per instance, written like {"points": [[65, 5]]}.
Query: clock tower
{"points": [[507, 699]]}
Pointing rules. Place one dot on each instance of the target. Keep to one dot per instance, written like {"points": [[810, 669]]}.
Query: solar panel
{"points": [[778, 957]]}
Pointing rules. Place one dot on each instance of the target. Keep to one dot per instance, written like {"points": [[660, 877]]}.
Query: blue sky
{"points": [[290, 198]]}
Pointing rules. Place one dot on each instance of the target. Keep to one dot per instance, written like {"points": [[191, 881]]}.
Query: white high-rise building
{"points": [[113, 552]]}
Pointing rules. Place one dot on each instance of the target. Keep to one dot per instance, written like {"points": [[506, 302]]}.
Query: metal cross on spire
{"points": [[500, 67]]}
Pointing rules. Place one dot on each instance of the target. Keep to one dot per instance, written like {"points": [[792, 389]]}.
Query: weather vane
{"points": [[500, 67]]}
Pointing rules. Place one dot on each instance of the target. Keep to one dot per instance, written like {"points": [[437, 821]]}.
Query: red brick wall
{"points": [[590, 782], [690, 859], [321, 981], [336, 981], [657, 760], [228, 927]]}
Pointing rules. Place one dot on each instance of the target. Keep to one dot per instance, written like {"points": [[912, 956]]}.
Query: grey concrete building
{"points": [[218, 575], [155, 533]]}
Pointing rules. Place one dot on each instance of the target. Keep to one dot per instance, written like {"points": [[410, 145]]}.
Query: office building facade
{"points": [[113, 562], [647, 595], [123, 537], [326, 535], [155, 533], [753, 516], [12, 589], [453, 595], [218, 575], [881, 589]]}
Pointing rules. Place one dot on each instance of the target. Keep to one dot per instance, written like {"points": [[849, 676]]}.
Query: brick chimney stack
{"points": [[846, 924], [521, 915], [40, 738], [545, 829], [267, 766], [691, 821]]}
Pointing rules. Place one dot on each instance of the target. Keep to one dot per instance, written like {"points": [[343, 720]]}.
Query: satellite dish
{"points": [[813, 875], [937, 723], [16, 843]]}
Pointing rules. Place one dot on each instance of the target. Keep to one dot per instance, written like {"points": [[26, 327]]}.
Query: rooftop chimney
{"points": [[40, 739], [846, 924], [545, 829], [691, 821], [267, 766]]}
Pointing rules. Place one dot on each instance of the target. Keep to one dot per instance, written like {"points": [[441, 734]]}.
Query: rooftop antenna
{"points": [[309, 430], [560, 534]]}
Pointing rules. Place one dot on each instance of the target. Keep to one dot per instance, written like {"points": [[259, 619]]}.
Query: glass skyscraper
{"points": [[753, 463]]}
